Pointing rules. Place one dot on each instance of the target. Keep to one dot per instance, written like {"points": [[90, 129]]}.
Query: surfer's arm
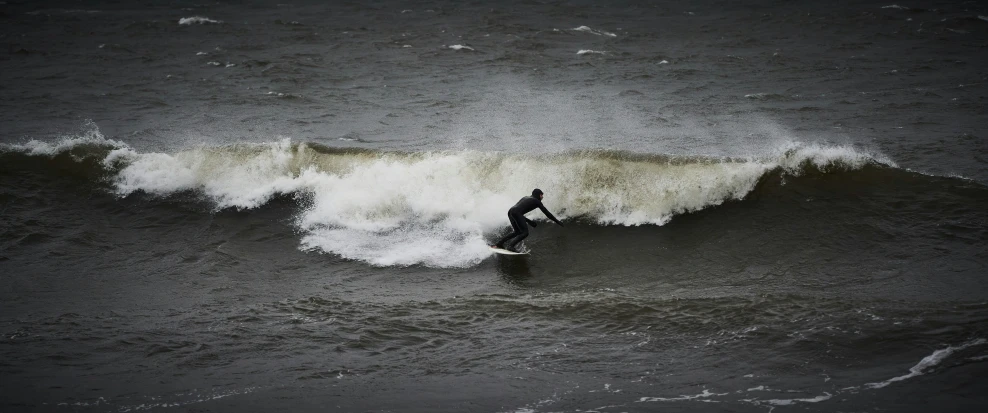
{"points": [[549, 214]]}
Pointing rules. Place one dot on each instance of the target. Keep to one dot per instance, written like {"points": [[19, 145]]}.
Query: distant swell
{"points": [[435, 208]]}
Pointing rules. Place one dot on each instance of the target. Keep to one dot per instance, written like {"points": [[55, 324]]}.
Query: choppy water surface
{"points": [[769, 206]]}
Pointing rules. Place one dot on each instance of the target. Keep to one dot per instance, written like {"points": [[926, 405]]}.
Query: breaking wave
{"points": [[435, 208]]}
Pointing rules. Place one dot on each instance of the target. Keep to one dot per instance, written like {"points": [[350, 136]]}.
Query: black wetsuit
{"points": [[519, 224]]}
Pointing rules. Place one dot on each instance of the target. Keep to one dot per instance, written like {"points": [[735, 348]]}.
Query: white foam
{"points": [[154, 173], [192, 397], [245, 176], [786, 402], [927, 362], [706, 393], [985, 18], [459, 47], [392, 209], [792, 155], [895, 6], [586, 29], [90, 135], [438, 208], [197, 20], [588, 51]]}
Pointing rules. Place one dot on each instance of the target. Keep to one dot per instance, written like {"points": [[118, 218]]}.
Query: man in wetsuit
{"points": [[519, 224]]}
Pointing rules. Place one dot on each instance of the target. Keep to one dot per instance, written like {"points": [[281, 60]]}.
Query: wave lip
{"points": [[90, 137], [793, 155]]}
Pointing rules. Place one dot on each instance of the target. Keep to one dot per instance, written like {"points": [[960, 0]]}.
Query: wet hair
{"points": [[536, 192]]}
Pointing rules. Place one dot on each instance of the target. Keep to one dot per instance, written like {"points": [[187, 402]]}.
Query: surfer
{"points": [[519, 224]]}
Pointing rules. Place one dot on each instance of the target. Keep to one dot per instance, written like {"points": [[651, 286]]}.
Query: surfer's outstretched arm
{"points": [[549, 214]]}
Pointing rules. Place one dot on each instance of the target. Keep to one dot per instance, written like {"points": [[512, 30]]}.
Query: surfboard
{"points": [[506, 252]]}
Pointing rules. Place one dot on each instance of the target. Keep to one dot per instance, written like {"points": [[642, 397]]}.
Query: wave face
{"points": [[435, 208]]}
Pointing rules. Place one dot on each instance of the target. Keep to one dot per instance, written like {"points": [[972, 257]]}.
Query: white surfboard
{"points": [[506, 252]]}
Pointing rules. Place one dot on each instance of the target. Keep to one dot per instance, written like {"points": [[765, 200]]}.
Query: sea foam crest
{"points": [[242, 176], [197, 20], [792, 155], [436, 208], [928, 362], [440, 208], [90, 136], [586, 29]]}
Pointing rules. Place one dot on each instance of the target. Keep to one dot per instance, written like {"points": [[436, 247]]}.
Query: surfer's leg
{"points": [[514, 231], [522, 233]]}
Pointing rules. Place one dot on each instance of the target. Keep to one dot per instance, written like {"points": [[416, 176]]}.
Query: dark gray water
{"points": [[768, 206]]}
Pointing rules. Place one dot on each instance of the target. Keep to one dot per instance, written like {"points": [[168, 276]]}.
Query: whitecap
{"points": [[792, 155], [706, 394], [90, 135], [586, 29], [197, 20], [927, 362], [244, 176], [786, 402]]}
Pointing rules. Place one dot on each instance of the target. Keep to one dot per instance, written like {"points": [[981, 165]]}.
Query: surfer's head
{"points": [[537, 193]]}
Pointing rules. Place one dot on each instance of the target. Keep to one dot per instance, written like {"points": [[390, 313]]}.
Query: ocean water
{"points": [[256, 206]]}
